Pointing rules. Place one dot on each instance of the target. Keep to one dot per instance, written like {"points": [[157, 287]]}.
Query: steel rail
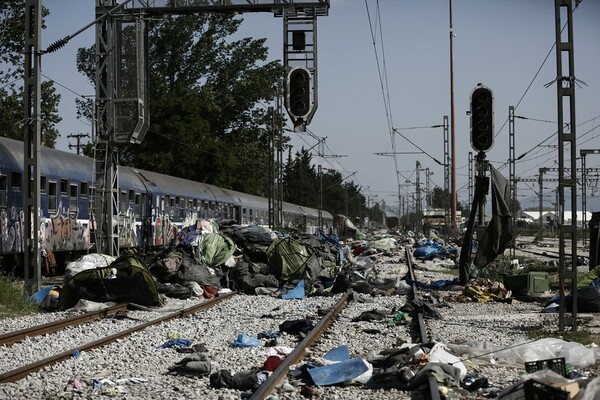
{"points": [[10, 338], [19, 373], [268, 386], [432, 383]]}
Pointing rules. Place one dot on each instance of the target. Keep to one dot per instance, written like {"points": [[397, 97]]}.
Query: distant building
{"points": [[551, 217]]}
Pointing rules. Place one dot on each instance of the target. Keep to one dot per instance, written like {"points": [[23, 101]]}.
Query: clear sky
{"points": [[500, 43]]}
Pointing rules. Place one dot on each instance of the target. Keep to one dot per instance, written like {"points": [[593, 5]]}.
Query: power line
{"points": [[534, 78], [384, 85]]}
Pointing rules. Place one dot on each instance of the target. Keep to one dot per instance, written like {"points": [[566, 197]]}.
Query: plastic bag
{"points": [[575, 353], [244, 340]]}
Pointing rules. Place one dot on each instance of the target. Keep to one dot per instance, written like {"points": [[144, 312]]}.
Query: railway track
{"points": [[429, 391], [317, 341], [21, 372], [51, 327], [117, 357]]}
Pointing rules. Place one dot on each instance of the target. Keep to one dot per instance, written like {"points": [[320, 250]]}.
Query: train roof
{"points": [[161, 183], [249, 200], [52, 162], [61, 163]]}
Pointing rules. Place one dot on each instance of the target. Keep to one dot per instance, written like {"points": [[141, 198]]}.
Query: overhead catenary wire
{"points": [[535, 75], [383, 83], [62, 42]]}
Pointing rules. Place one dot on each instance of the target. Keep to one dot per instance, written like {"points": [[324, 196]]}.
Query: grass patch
{"points": [[583, 336], [13, 300]]}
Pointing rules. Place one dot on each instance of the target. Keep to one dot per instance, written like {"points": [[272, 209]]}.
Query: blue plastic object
{"points": [[244, 340], [295, 293], [41, 294], [340, 353], [339, 372]]}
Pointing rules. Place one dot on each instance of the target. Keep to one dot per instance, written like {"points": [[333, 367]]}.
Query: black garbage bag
{"points": [[588, 299]]}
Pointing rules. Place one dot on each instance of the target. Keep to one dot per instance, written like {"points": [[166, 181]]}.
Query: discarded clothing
{"points": [[176, 343], [368, 316], [271, 363], [297, 326], [240, 380], [195, 365]]}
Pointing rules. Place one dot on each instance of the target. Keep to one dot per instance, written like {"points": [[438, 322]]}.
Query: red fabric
{"points": [[272, 363], [210, 291]]}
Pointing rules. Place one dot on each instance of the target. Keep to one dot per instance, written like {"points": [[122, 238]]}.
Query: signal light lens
{"points": [[482, 119]]}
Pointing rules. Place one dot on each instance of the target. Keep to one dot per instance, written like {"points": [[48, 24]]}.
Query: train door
{"points": [[237, 214], [3, 191], [146, 217]]}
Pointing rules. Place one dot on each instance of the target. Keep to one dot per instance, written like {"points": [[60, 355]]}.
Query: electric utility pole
{"points": [[77, 137]]}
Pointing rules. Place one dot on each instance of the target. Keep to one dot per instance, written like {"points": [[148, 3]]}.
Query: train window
{"points": [[131, 196], [2, 191], [195, 204], [16, 181], [73, 197], [42, 184], [243, 216], [190, 204], [177, 201], [137, 199], [83, 189], [52, 186], [171, 201], [123, 201], [64, 186]]}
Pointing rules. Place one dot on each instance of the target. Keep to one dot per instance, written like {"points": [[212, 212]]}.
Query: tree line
{"points": [[209, 119]]}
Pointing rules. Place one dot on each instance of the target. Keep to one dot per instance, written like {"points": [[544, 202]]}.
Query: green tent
{"points": [[290, 258], [126, 280]]}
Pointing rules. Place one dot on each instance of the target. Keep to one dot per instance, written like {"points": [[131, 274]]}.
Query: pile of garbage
{"points": [[205, 259]]}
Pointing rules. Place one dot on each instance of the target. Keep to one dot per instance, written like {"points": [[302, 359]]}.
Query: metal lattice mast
{"points": [[565, 92], [511, 166], [447, 162], [418, 205], [105, 197], [32, 143]]}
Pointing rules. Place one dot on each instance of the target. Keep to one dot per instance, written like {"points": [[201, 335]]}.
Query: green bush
{"points": [[13, 300]]}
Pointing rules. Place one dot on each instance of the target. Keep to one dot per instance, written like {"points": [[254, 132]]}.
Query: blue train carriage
{"points": [[252, 209], [64, 201], [166, 205], [153, 207]]}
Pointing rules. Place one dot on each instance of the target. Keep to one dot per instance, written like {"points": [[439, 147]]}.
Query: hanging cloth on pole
{"points": [[481, 188], [499, 232]]}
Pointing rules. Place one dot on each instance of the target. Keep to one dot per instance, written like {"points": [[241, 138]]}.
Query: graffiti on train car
{"points": [[11, 223], [164, 230], [62, 231], [128, 229], [190, 219]]}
